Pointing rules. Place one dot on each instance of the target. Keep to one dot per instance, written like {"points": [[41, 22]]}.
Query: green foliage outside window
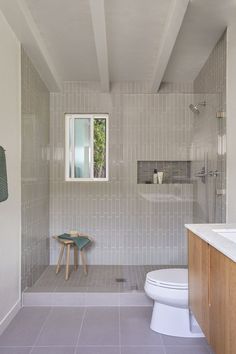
{"points": [[99, 148]]}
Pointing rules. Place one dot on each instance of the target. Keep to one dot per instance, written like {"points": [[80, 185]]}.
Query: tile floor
{"points": [[100, 278], [91, 330]]}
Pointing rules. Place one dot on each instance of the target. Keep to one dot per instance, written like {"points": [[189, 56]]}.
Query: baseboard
{"points": [[9, 316]]}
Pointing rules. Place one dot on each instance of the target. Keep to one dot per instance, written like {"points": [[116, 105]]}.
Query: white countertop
{"points": [[222, 244]]}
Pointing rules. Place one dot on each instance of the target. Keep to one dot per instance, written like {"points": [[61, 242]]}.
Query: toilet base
{"points": [[174, 321]]}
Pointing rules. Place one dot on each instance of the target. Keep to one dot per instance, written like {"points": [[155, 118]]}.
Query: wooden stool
{"points": [[68, 244]]}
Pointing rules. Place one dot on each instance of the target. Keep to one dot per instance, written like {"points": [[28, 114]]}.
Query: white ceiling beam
{"points": [[99, 29], [173, 25], [22, 23]]}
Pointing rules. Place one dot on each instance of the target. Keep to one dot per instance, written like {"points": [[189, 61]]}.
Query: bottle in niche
{"points": [[160, 176], [155, 177]]}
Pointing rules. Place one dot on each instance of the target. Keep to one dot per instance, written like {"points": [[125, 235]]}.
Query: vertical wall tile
{"points": [[34, 173], [131, 223]]}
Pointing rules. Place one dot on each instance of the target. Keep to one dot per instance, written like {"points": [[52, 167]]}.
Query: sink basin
{"points": [[230, 234]]}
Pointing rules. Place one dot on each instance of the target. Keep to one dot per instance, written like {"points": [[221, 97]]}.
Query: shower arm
{"points": [[201, 174]]}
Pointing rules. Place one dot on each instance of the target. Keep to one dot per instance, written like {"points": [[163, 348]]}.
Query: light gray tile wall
{"points": [[131, 223], [127, 87], [209, 137], [35, 173]]}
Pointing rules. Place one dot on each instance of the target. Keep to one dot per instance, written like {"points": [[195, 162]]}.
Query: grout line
{"points": [[119, 309], [193, 345], [163, 344], [79, 346], [80, 330], [41, 329], [122, 346], [14, 346], [164, 349], [101, 346]]}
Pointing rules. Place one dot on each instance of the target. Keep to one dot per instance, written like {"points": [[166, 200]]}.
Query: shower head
{"points": [[195, 108]]}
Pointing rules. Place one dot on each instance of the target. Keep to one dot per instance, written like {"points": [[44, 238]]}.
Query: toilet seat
{"points": [[169, 278]]}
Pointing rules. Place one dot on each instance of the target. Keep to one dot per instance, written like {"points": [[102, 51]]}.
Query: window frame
{"points": [[91, 116]]}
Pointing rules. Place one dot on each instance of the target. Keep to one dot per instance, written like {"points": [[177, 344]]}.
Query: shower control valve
{"points": [[213, 173]]}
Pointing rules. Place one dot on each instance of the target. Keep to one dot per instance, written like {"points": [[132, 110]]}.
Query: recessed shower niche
{"points": [[173, 171]]}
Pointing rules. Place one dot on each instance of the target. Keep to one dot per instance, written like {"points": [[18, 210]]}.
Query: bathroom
{"points": [[167, 101]]}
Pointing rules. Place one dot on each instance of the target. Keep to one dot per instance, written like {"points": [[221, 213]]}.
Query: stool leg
{"points": [[75, 258], [67, 261], [60, 257], [83, 259]]}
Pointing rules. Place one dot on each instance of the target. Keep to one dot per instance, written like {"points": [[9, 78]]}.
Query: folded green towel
{"points": [[80, 241], [3, 176]]}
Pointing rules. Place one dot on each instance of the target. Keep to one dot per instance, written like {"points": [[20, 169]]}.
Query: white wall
{"points": [[10, 210], [231, 122]]}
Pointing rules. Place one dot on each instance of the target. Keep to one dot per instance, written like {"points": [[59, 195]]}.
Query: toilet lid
{"points": [[176, 278]]}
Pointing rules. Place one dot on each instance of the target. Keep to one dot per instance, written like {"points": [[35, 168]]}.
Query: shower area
{"points": [[208, 156], [208, 148], [137, 226]]}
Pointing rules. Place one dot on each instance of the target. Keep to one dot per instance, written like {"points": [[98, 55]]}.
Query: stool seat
{"points": [[80, 247]]}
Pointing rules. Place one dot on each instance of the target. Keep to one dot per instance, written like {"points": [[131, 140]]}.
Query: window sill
{"points": [[86, 179]]}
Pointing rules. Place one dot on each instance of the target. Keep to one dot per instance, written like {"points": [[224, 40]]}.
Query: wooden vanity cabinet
{"points": [[222, 303], [212, 294], [198, 264]]}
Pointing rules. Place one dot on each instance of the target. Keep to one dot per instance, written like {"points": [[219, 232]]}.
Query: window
{"points": [[86, 147]]}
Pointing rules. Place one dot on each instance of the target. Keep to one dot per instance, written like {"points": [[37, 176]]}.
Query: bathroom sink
{"points": [[230, 234]]}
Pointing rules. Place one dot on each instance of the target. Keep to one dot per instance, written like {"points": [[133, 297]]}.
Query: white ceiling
{"points": [[203, 25], [134, 34], [66, 29], [134, 31], [125, 39]]}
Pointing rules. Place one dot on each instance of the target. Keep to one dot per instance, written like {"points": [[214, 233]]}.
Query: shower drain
{"points": [[120, 280]]}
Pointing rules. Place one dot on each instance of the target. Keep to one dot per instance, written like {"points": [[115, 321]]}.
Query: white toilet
{"points": [[171, 315]]}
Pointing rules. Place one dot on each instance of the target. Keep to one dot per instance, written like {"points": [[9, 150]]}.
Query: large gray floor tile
{"points": [[170, 340], [24, 328], [135, 327], [19, 350], [53, 350], [186, 349], [62, 327], [143, 350], [98, 350], [100, 326]]}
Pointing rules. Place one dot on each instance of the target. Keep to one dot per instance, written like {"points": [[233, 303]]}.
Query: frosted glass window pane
{"points": [[70, 144], [82, 142]]}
